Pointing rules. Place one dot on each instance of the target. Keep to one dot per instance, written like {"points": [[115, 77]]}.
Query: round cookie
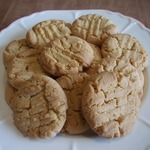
{"points": [[73, 86], [135, 77], [39, 107], [44, 32], [109, 105], [12, 49], [23, 67], [93, 28], [126, 50], [66, 55]]}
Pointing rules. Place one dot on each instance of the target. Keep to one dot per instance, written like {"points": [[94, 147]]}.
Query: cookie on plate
{"points": [[66, 55], [44, 32], [135, 78], [73, 86], [93, 28], [23, 67], [109, 105], [39, 107], [12, 49], [126, 50]]}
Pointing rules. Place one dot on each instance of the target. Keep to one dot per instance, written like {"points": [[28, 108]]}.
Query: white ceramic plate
{"points": [[12, 139]]}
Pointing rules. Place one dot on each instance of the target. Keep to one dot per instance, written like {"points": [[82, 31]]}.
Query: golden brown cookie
{"points": [[126, 50], [109, 105], [39, 107], [44, 32], [12, 49], [66, 55], [73, 86], [93, 28], [24, 66], [115, 65], [136, 79]]}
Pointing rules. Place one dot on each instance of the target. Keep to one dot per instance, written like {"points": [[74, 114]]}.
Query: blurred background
{"points": [[10, 10]]}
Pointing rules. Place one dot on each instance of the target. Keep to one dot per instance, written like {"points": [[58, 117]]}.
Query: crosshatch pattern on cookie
{"points": [[106, 76], [43, 33], [66, 55], [93, 28]]}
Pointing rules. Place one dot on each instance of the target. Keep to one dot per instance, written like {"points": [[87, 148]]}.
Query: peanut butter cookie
{"points": [[66, 55], [12, 49], [73, 86], [93, 28], [109, 105], [24, 66], [126, 50], [44, 32], [39, 107]]}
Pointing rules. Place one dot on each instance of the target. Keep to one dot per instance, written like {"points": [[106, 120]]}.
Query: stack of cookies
{"points": [[76, 77]]}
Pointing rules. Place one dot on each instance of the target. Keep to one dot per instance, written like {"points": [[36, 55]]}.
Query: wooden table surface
{"points": [[10, 10]]}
